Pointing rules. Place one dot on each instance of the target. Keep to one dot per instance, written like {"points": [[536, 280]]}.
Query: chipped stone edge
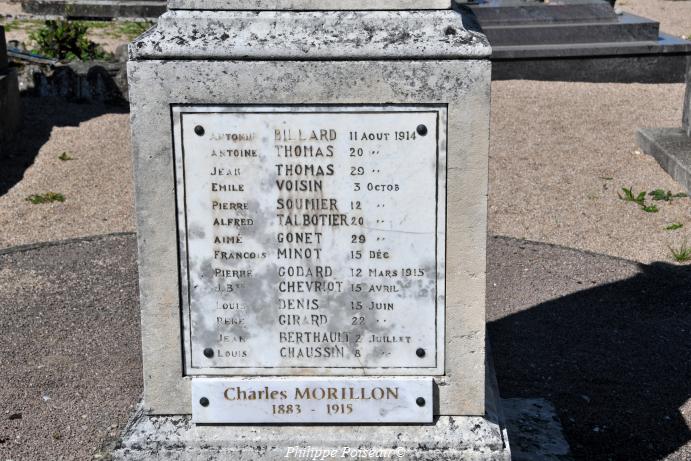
{"points": [[176, 438], [332, 35], [308, 4]]}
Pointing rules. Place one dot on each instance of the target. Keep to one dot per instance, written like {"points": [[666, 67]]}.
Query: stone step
{"points": [[494, 12], [625, 28], [96, 8], [671, 147]]}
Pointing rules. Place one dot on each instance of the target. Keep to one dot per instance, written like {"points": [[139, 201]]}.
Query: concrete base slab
{"points": [[671, 147], [10, 105], [473, 438], [176, 438], [536, 433]]}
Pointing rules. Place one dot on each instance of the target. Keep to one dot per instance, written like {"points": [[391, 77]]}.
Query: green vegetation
{"points": [[131, 29], [629, 196], [28, 25], [48, 197], [74, 39], [674, 226], [66, 40], [65, 157], [681, 254], [114, 29], [117, 29], [659, 194]]}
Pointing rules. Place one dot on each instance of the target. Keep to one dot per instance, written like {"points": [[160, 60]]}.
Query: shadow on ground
{"points": [[39, 117], [70, 366], [607, 341]]}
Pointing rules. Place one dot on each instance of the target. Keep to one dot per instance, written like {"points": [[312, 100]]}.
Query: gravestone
{"points": [[96, 8], [311, 182], [671, 147], [577, 40], [10, 111]]}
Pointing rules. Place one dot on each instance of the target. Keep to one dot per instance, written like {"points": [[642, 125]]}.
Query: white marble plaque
{"points": [[311, 239], [312, 400]]}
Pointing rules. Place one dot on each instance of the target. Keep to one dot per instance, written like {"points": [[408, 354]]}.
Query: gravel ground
{"points": [[96, 183], [674, 16], [70, 363], [561, 152]]}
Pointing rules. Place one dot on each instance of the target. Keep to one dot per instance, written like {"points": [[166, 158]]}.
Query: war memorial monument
{"points": [[311, 188]]}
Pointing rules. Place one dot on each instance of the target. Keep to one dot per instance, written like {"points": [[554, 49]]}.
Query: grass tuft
{"points": [[657, 195], [681, 254], [48, 197], [629, 196], [661, 195], [674, 226]]}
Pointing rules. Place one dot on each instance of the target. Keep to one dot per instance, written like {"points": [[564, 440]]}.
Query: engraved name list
{"points": [[311, 239]]}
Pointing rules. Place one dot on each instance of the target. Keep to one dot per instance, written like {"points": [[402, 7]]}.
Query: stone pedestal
{"points": [[10, 111], [671, 147], [214, 88], [176, 438], [577, 40]]}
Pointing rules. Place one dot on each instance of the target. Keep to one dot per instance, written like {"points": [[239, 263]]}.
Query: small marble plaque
{"points": [[312, 400], [312, 239]]}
